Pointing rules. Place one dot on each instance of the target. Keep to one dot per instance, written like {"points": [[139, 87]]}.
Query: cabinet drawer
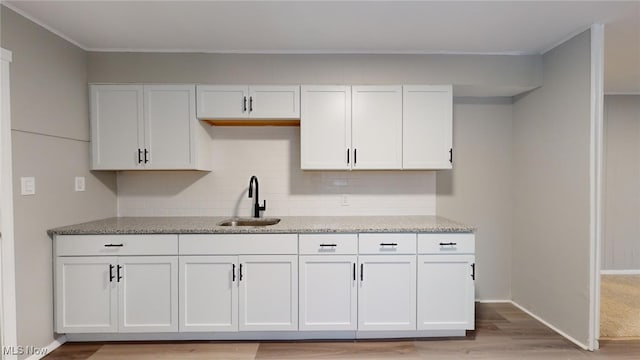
{"points": [[463, 243], [328, 244], [381, 243], [238, 244], [109, 245]]}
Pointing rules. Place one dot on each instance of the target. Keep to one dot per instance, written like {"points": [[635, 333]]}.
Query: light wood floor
{"points": [[620, 306], [502, 332]]}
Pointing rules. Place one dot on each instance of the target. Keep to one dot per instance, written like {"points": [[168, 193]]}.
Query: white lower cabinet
{"points": [[387, 292], [246, 293], [116, 283], [117, 294], [268, 292], [446, 294], [328, 292], [446, 277], [86, 296], [231, 291], [368, 282], [208, 293], [148, 294]]}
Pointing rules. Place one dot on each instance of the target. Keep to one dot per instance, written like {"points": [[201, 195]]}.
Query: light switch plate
{"points": [[28, 185], [79, 184]]}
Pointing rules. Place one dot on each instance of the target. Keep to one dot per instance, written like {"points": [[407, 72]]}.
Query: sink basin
{"points": [[249, 222]]}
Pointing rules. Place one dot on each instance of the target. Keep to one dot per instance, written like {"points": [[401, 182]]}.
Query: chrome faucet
{"points": [[256, 204]]}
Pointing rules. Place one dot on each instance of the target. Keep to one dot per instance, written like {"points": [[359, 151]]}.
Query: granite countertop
{"points": [[288, 224]]}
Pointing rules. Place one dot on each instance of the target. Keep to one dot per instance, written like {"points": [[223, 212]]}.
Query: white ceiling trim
{"points": [[313, 52], [40, 23]]}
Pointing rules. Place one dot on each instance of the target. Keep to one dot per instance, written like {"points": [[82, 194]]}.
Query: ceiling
{"points": [[416, 27]]}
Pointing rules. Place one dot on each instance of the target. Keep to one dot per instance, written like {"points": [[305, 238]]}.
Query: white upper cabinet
{"points": [[248, 102], [147, 127], [377, 127], [325, 127], [274, 102], [427, 122], [116, 126], [223, 101], [169, 122]]}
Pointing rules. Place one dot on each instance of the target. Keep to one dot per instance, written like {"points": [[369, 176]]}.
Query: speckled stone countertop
{"points": [[288, 224]]}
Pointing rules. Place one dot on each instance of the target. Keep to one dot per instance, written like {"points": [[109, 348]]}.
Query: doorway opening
{"points": [[620, 272]]}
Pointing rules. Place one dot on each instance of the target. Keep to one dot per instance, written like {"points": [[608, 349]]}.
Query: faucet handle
{"points": [[264, 205]]}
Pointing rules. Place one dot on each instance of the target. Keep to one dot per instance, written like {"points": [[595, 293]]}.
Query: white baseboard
{"points": [[264, 335], [565, 335], [622, 93], [620, 272], [49, 348]]}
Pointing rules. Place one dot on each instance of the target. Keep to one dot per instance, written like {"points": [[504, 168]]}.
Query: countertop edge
{"points": [[300, 225]]}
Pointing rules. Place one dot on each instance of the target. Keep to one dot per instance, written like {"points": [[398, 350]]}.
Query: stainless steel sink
{"points": [[249, 222]]}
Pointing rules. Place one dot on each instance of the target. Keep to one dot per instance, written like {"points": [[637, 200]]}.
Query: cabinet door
{"points": [[148, 294], [208, 293], [170, 126], [387, 293], [223, 101], [274, 102], [116, 126], [85, 295], [325, 128], [268, 292], [445, 292], [427, 123], [328, 293], [377, 127]]}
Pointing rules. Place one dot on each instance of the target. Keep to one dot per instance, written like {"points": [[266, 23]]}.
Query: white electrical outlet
{"points": [[28, 185], [344, 201], [340, 182], [79, 183]]}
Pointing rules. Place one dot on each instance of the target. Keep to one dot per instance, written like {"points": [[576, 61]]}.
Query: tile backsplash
{"points": [[273, 155]]}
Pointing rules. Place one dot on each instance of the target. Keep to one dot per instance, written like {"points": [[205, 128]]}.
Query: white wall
{"points": [[472, 75], [621, 244], [50, 135], [273, 154], [551, 137], [478, 189]]}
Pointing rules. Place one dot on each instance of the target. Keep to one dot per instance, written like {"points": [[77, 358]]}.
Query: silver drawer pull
{"points": [[113, 245], [448, 244]]}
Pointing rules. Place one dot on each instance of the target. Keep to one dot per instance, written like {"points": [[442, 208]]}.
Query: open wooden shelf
{"points": [[236, 122]]}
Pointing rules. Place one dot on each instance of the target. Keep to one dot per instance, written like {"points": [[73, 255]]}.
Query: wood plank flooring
{"points": [[502, 332], [620, 306]]}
